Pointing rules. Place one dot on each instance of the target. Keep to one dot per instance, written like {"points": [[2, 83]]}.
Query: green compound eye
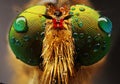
{"points": [[105, 24], [26, 35], [20, 25], [91, 33]]}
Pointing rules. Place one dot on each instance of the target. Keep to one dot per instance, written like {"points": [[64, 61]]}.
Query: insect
{"points": [[58, 39]]}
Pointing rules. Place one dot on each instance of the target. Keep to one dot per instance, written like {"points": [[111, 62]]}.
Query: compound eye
{"points": [[105, 24], [20, 25]]}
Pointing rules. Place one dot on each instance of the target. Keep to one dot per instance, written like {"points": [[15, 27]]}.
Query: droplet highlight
{"points": [[42, 34], [96, 47], [109, 35]]}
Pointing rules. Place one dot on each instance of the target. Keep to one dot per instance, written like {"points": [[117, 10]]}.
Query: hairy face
{"points": [[58, 47]]}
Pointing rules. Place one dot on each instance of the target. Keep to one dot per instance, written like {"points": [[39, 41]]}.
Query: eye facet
{"points": [[20, 25], [105, 24]]}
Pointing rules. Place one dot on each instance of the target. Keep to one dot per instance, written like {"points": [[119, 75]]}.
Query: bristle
{"points": [[59, 55]]}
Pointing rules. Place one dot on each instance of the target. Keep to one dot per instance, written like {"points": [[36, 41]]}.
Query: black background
{"points": [[109, 8]]}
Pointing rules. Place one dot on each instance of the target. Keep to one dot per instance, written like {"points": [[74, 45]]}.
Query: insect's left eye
{"points": [[20, 25]]}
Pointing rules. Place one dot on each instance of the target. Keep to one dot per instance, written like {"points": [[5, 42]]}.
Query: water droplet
{"points": [[71, 13], [89, 39], [105, 24], [18, 43], [96, 47], [26, 38], [20, 25], [42, 34], [81, 35], [80, 24], [82, 9], [12, 40], [76, 19], [75, 35], [97, 37], [73, 8]]}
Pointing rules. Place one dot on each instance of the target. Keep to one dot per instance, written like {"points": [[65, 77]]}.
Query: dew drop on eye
{"points": [[20, 25], [105, 24]]}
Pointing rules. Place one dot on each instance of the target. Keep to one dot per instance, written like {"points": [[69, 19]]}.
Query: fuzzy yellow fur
{"points": [[57, 52]]}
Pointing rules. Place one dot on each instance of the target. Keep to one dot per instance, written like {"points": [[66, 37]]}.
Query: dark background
{"points": [[109, 8], [111, 73]]}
